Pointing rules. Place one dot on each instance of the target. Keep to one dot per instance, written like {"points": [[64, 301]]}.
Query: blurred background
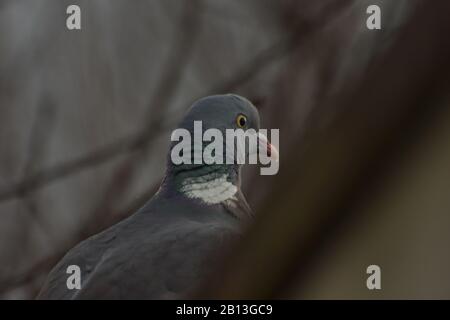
{"points": [[364, 119]]}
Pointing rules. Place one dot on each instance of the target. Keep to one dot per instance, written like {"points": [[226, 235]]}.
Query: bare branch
{"points": [[183, 42], [134, 142], [344, 163]]}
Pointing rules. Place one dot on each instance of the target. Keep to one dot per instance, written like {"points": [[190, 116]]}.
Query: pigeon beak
{"points": [[264, 144]]}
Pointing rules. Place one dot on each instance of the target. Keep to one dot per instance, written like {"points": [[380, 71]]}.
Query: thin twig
{"points": [[182, 47], [131, 143]]}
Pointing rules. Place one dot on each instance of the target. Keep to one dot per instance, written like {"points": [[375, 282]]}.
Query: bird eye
{"points": [[241, 120]]}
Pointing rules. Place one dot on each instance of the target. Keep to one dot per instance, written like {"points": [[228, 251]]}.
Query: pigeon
{"points": [[173, 243]]}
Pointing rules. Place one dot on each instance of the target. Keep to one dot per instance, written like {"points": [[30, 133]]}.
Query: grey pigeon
{"points": [[169, 246]]}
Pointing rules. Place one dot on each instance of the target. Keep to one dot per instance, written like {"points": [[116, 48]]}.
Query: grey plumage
{"points": [[172, 243]]}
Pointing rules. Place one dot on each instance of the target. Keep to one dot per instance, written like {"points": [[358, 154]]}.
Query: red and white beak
{"points": [[265, 146]]}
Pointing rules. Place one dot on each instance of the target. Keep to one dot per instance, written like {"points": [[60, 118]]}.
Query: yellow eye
{"points": [[241, 121]]}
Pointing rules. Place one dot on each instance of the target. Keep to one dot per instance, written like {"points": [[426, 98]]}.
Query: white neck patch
{"points": [[209, 190]]}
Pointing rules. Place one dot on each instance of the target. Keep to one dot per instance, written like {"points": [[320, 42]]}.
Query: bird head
{"points": [[216, 136]]}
